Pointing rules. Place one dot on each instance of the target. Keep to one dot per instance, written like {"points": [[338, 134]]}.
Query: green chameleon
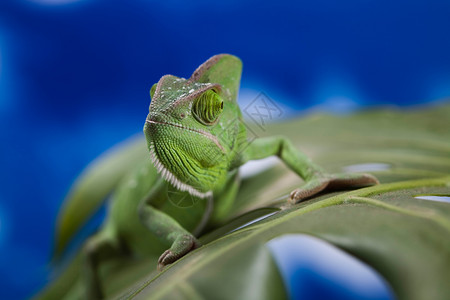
{"points": [[197, 140]]}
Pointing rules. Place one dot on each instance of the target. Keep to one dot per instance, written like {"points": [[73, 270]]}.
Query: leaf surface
{"points": [[404, 238]]}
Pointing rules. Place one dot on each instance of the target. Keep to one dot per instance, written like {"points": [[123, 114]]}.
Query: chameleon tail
{"points": [[92, 188]]}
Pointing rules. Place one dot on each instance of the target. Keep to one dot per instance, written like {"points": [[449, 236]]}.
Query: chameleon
{"points": [[196, 140]]}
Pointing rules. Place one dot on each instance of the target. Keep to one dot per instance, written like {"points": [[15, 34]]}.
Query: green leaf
{"points": [[407, 240], [404, 238]]}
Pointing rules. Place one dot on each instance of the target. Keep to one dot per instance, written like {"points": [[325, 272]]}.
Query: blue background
{"points": [[75, 76]]}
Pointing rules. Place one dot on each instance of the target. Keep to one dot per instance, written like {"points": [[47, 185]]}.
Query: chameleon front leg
{"points": [[316, 179], [169, 231]]}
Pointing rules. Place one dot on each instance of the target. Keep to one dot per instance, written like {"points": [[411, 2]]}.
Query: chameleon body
{"points": [[197, 141]]}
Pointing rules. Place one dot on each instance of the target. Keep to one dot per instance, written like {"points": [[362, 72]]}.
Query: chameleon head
{"points": [[189, 133]]}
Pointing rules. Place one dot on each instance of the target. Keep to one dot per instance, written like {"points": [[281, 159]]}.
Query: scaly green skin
{"points": [[197, 141]]}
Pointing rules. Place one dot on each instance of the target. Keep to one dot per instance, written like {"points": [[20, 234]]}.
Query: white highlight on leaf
{"points": [[253, 221], [255, 167], [445, 199]]}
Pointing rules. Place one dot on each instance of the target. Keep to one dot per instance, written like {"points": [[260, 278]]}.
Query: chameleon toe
{"points": [[162, 259], [330, 183], [311, 188], [183, 244]]}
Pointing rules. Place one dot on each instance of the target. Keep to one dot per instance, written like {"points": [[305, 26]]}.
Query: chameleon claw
{"points": [[184, 244], [311, 188], [162, 258], [330, 183]]}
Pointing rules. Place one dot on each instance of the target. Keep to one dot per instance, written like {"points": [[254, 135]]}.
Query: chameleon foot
{"points": [[331, 182], [180, 247]]}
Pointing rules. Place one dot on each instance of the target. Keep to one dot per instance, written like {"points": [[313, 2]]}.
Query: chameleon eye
{"points": [[207, 107]]}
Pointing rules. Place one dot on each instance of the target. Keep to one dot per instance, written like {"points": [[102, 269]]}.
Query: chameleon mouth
{"points": [[169, 176], [198, 131]]}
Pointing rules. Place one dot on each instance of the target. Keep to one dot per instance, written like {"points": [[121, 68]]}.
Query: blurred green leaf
{"points": [[92, 187]]}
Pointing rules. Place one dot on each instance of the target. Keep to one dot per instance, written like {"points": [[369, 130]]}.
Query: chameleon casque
{"points": [[196, 141]]}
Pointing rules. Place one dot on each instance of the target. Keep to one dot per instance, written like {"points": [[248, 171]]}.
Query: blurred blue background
{"points": [[75, 77]]}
